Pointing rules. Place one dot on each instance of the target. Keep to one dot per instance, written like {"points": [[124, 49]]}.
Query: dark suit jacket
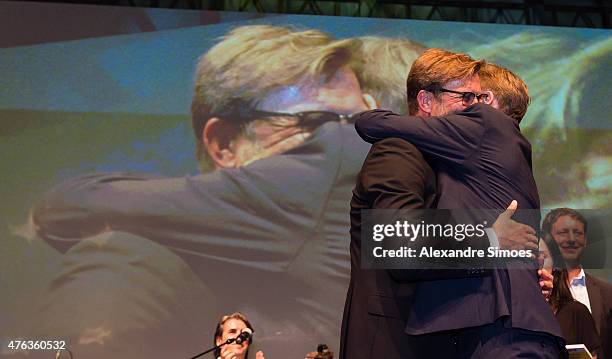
{"points": [[482, 161], [600, 297], [578, 326], [394, 175]]}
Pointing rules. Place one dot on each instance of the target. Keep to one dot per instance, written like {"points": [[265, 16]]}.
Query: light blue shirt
{"points": [[579, 289]]}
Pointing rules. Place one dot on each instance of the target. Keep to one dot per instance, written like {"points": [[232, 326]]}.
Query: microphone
{"points": [[244, 335]]}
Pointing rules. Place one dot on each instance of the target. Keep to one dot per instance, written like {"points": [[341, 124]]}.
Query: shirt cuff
{"points": [[493, 241]]}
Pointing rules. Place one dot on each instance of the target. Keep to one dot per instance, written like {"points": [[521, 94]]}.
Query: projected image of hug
{"points": [[147, 260]]}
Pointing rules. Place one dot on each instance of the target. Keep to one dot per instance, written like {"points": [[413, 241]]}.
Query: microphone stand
{"points": [[229, 341]]}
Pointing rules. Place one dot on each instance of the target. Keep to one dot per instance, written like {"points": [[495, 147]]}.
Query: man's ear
{"points": [[218, 341], [219, 136], [425, 101], [490, 97], [370, 101]]}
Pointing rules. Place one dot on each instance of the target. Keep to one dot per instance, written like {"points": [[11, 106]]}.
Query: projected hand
{"points": [[278, 140]]}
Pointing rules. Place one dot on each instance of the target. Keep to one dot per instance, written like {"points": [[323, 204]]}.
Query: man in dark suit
{"points": [[568, 228], [600, 297], [482, 161], [378, 304]]}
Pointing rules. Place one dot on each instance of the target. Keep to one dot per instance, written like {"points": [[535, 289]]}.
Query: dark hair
{"points": [[553, 251], [219, 329], [561, 293]]}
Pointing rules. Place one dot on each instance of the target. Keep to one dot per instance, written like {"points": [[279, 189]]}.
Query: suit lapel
{"points": [[595, 300]]}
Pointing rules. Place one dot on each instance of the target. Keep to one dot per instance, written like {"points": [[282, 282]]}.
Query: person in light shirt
{"points": [[567, 228]]}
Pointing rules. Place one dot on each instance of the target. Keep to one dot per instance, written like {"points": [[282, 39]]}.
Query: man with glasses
{"points": [[481, 161], [249, 112], [262, 230]]}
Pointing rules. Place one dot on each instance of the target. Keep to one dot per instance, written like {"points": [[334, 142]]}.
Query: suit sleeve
{"points": [[243, 216], [395, 176], [452, 138]]}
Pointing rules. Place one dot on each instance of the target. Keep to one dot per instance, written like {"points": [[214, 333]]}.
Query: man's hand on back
{"points": [[512, 234]]}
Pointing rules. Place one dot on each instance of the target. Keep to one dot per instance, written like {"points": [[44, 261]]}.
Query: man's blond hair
{"points": [[252, 61], [384, 66], [433, 69], [510, 91]]}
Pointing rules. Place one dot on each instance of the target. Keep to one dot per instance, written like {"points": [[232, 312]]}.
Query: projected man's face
{"points": [[270, 135]]}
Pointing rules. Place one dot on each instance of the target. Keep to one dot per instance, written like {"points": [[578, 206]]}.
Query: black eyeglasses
{"points": [[467, 97], [302, 119]]}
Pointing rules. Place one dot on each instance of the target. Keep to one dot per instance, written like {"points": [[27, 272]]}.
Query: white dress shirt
{"points": [[579, 289]]}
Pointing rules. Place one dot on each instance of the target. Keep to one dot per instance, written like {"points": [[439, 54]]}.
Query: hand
{"points": [[512, 234], [328, 354], [546, 283], [274, 140], [228, 353], [260, 355]]}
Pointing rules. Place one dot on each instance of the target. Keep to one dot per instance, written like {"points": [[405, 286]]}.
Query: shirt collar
{"points": [[580, 279]]}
